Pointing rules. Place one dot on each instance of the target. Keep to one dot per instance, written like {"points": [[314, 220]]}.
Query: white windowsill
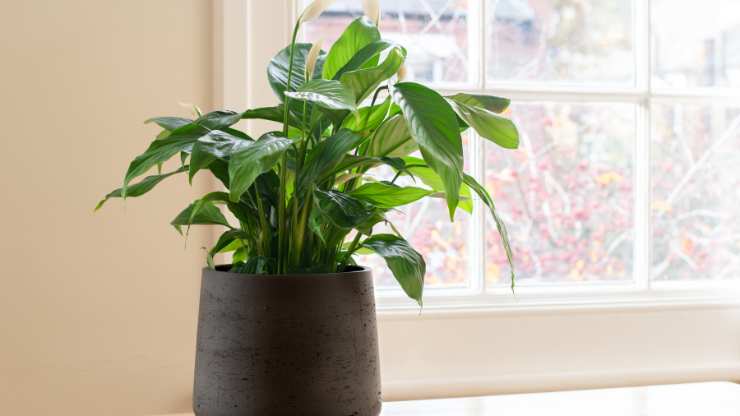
{"points": [[668, 295]]}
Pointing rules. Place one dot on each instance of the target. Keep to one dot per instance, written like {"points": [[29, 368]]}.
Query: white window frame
{"points": [[641, 290], [235, 56], [531, 341]]}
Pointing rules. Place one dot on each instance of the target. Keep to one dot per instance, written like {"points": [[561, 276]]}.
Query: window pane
{"points": [[570, 42], [696, 43], [426, 225], [566, 194], [435, 33], [695, 192]]}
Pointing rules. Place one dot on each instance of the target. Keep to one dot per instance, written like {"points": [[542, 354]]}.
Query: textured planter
{"points": [[287, 345]]}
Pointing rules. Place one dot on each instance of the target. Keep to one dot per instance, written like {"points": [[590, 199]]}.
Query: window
{"points": [[626, 180]]}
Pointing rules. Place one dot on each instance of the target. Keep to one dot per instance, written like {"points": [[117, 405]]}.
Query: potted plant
{"points": [[289, 326]]}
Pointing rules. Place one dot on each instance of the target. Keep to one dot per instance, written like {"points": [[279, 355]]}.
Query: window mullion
{"points": [[482, 42], [641, 267], [642, 147], [476, 239]]}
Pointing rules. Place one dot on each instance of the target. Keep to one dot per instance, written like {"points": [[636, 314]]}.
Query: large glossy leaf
{"points": [[500, 226], [489, 102], [392, 138], [248, 163], [214, 145], [221, 144], [159, 151], [328, 94], [277, 70], [364, 81], [170, 123], [433, 125], [325, 157], [358, 34], [489, 125], [140, 188], [218, 120], [385, 195], [366, 57], [342, 210], [369, 118], [220, 169], [201, 212], [407, 264], [274, 113]]}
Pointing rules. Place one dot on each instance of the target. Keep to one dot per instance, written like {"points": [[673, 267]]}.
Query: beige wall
{"points": [[97, 312]]}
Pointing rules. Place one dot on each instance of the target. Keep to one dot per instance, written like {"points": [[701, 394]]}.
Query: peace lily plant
{"points": [[304, 196]]}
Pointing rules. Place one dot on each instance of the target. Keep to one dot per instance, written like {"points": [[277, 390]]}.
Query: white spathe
{"points": [[372, 10], [313, 56], [314, 10]]}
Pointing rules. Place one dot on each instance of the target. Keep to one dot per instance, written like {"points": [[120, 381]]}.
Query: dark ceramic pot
{"points": [[298, 345]]}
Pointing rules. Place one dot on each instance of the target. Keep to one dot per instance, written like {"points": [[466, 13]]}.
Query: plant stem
{"points": [[300, 233], [351, 183], [351, 249], [263, 222], [298, 225], [281, 255]]}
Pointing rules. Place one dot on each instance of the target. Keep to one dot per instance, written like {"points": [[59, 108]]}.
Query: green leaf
{"points": [[385, 195], [364, 81], [140, 188], [366, 57], [489, 125], [274, 113], [240, 256], [489, 102], [248, 163], [503, 233], [218, 120], [228, 241], [392, 138], [433, 125], [159, 151], [369, 118], [342, 210], [277, 70], [200, 212], [325, 157], [214, 145], [407, 264], [170, 123], [367, 226], [331, 95], [361, 32], [418, 169], [221, 144], [220, 169], [254, 265]]}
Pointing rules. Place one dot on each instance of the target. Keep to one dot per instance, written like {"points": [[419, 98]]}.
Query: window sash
{"points": [[643, 95]]}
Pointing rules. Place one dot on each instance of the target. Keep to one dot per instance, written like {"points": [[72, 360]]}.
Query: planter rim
{"points": [[360, 271]]}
